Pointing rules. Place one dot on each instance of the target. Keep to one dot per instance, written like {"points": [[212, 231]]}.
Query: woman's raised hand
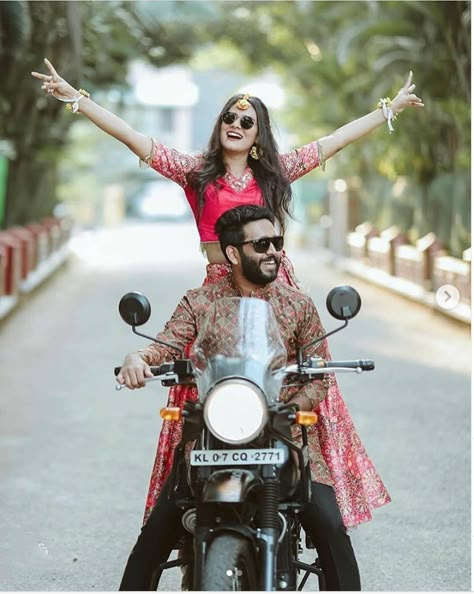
{"points": [[405, 96], [54, 85]]}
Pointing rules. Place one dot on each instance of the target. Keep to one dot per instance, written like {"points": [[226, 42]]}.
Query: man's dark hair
{"points": [[229, 226]]}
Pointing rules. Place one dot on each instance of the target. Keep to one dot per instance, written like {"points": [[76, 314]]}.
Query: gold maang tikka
{"points": [[243, 103]]}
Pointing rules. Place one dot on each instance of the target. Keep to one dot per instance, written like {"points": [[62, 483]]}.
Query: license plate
{"points": [[237, 457]]}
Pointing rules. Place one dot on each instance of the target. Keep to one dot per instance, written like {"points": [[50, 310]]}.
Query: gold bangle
{"points": [[384, 100], [145, 163], [73, 106], [385, 104], [388, 102]]}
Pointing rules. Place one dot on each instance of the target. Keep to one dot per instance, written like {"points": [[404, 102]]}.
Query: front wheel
{"points": [[230, 565]]}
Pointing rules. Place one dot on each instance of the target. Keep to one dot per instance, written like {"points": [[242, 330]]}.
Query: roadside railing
{"points": [[29, 254], [417, 270]]}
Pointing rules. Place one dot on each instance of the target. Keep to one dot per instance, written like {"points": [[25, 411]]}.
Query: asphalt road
{"points": [[75, 455]]}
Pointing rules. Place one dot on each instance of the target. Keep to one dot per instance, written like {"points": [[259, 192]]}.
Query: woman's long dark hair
{"points": [[267, 170]]}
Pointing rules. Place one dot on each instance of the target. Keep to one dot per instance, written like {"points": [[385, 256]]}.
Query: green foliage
{"points": [[443, 206], [336, 59], [91, 44], [16, 26]]}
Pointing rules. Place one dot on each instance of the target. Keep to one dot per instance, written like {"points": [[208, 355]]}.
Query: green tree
{"points": [[92, 42], [338, 58]]}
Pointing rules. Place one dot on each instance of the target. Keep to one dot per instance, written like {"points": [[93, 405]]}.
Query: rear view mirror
{"points": [[134, 309], [343, 302]]}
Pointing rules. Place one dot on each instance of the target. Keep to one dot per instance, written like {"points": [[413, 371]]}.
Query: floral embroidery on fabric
{"points": [[174, 164], [357, 485], [177, 166], [302, 160]]}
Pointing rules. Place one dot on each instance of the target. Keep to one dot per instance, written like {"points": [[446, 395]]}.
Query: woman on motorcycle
{"points": [[242, 166]]}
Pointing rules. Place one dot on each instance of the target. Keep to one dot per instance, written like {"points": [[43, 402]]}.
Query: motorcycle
{"points": [[238, 476]]}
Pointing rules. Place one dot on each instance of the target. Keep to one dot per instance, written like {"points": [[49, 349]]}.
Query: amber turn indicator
{"points": [[171, 413], [304, 417]]}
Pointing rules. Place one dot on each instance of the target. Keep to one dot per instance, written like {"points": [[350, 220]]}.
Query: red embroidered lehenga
{"points": [[357, 484]]}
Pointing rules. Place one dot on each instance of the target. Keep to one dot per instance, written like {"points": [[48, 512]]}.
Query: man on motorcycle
{"points": [[253, 248]]}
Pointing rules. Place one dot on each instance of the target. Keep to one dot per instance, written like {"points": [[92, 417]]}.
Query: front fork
{"points": [[201, 538], [267, 537], [269, 532]]}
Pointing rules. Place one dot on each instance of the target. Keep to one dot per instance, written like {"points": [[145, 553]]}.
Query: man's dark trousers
{"points": [[321, 520]]}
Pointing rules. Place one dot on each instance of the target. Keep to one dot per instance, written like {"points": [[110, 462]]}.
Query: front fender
{"points": [[230, 486]]}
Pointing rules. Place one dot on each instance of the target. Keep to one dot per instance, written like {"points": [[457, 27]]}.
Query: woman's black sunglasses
{"points": [[229, 117], [261, 245]]}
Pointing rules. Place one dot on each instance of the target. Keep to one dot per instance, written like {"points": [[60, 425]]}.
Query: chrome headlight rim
{"points": [[236, 383]]}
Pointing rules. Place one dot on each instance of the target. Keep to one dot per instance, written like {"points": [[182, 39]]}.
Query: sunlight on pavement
{"points": [[135, 244]]}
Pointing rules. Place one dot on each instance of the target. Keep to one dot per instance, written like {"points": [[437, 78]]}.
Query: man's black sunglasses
{"points": [[261, 246], [229, 117]]}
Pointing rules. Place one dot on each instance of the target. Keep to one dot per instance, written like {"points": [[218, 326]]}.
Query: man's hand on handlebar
{"points": [[133, 372]]}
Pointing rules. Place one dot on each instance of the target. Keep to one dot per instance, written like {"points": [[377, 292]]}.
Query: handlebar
{"points": [[364, 364], [317, 367], [158, 370], [180, 371]]}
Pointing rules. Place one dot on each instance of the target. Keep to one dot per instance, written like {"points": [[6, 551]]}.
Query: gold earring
{"points": [[253, 152]]}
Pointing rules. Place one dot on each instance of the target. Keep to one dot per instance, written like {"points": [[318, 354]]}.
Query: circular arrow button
{"points": [[448, 297]]}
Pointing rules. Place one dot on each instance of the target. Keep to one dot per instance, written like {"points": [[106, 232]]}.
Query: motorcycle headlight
{"points": [[235, 411]]}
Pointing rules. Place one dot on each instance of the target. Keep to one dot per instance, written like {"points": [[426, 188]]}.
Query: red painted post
{"points": [[3, 268], [12, 247], [28, 251]]}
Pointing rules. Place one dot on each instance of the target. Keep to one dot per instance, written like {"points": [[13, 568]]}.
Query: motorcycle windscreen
{"points": [[240, 338]]}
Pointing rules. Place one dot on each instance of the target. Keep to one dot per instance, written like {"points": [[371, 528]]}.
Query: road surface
{"points": [[76, 455]]}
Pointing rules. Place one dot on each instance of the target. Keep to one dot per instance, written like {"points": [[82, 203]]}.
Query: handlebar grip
{"points": [[364, 364], [160, 369], [182, 367]]}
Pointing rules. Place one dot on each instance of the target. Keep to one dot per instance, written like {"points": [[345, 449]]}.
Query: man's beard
{"points": [[251, 269]]}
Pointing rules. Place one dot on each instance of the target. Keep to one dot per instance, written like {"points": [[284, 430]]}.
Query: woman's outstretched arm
{"points": [[356, 129], [56, 86]]}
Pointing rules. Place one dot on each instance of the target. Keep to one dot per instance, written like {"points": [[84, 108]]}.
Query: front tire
{"points": [[230, 565]]}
